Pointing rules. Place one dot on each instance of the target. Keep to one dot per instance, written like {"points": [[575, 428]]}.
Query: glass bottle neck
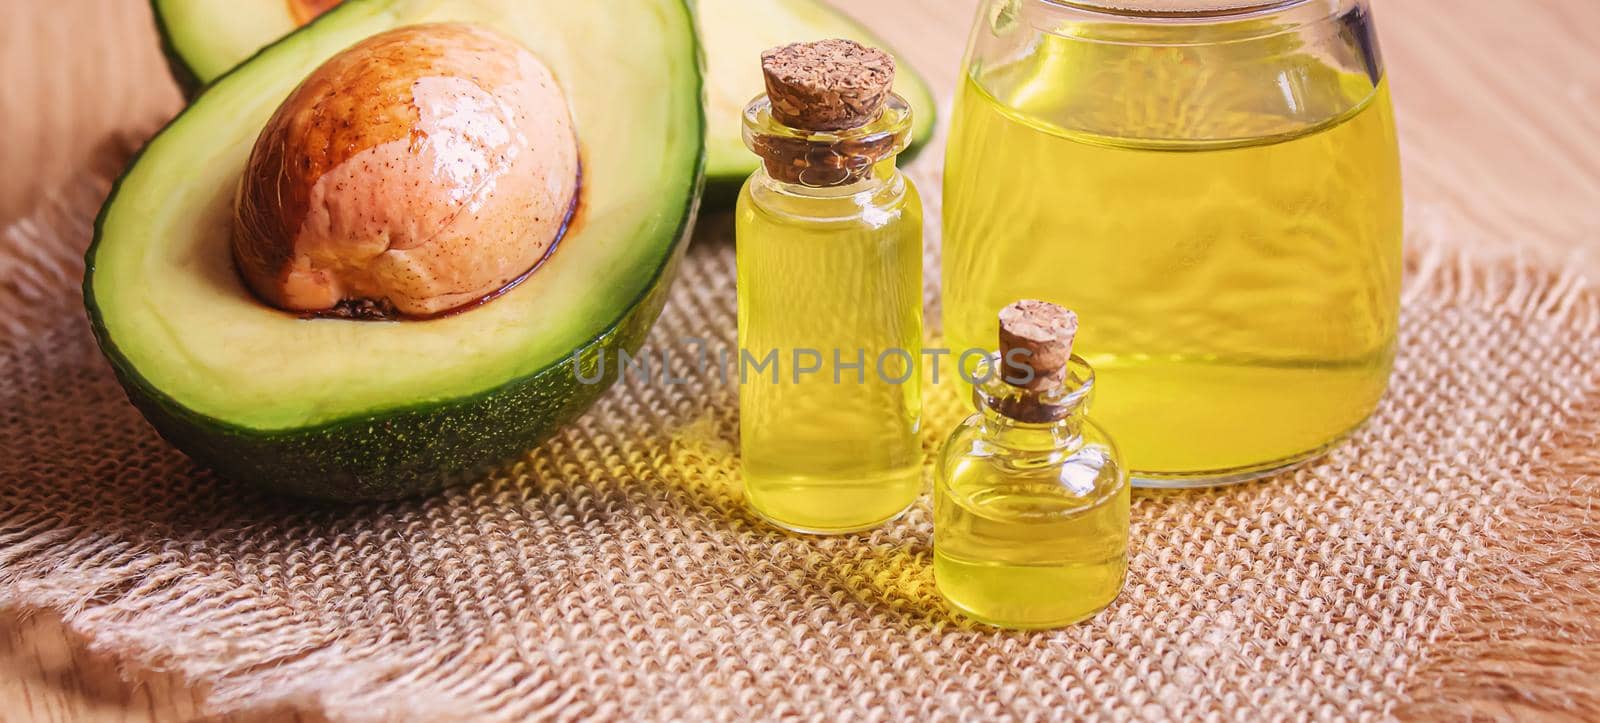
{"points": [[796, 157], [882, 176], [1026, 419], [1006, 431], [869, 202]]}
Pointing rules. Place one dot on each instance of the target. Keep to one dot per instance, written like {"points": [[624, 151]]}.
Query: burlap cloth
{"points": [[1440, 563]]}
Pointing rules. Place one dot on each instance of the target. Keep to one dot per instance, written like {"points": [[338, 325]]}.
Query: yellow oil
{"points": [[837, 272], [1016, 548], [1229, 231]]}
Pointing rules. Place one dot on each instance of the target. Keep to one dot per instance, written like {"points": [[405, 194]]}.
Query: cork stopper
{"points": [[828, 85], [1037, 335], [829, 115]]}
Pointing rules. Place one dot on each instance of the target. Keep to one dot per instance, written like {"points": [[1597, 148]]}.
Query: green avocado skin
{"points": [[411, 450], [405, 452]]}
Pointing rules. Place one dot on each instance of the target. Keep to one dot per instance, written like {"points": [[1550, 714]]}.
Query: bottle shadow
{"points": [[890, 581], [881, 575]]}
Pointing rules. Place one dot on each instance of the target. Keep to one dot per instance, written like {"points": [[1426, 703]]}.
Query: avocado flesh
{"points": [[350, 410], [205, 38], [735, 32], [233, 31]]}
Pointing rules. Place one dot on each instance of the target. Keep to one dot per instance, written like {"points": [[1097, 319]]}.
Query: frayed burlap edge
{"points": [[1526, 638], [1523, 638], [147, 606]]}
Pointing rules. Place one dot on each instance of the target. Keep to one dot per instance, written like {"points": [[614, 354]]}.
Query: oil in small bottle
{"points": [[1031, 500], [829, 256]]}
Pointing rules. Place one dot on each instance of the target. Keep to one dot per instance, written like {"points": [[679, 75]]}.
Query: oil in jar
{"points": [[1233, 217], [829, 253], [1031, 501]]}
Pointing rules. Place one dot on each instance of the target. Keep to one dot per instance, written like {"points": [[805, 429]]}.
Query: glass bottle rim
{"points": [[1119, 22], [834, 158], [1183, 9], [894, 121], [991, 391]]}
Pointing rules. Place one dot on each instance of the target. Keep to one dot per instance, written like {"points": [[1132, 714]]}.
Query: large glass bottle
{"points": [[829, 238], [1221, 177]]}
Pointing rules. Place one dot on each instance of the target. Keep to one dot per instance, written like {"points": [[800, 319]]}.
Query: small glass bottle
{"points": [[1030, 497], [829, 238]]}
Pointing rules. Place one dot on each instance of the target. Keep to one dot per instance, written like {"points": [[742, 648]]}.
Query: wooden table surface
{"points": [[1499, 112]]}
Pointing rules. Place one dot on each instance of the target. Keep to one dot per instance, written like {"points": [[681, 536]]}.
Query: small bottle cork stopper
{"points": [[828, 85], [1036, 336]]}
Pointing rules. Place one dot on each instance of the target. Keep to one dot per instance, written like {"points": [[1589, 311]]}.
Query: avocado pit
{"points": [[419, 171]]}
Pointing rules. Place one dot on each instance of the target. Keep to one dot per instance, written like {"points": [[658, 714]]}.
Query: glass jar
{"points": [[1222, 182]]}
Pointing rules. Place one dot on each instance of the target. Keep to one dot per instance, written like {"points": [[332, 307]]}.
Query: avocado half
{"points": [[204, 38], [353, 410]]}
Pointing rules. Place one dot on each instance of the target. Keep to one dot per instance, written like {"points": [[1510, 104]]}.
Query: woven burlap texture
{"points": [[614, 571]]}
